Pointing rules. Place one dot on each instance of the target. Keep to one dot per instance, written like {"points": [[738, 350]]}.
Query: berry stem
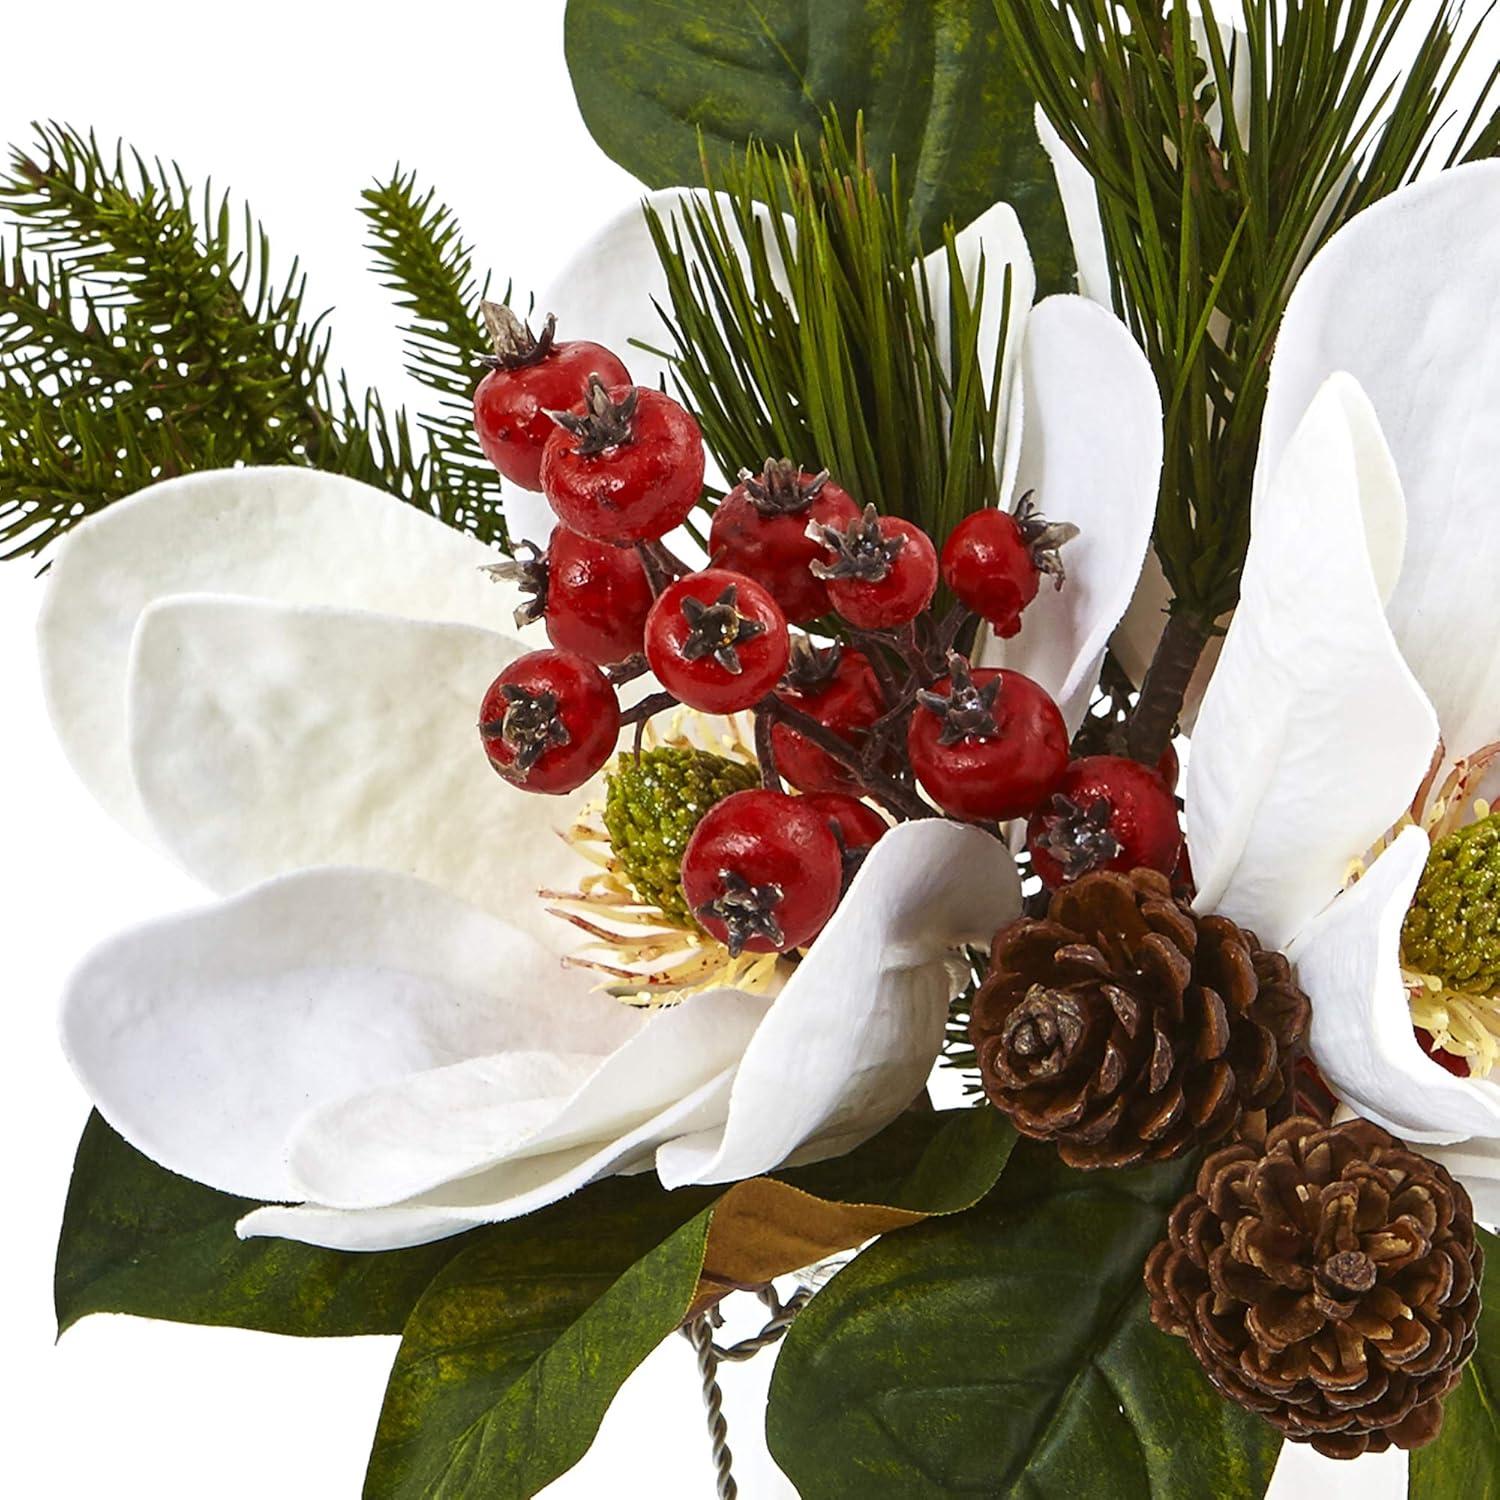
{"points": [[658, 575], [628, 670], [873, 646], [668, 560], [638, 713], [1165, 688], [765, 750]]}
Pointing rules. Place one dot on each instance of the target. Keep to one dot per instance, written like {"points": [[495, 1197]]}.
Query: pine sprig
{"points": [[143, 335], [421, 256], [822, 348]]}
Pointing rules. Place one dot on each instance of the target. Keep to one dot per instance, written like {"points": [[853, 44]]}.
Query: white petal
{"points": [[996, 243], [418, 1133], [1404, 298], [1349, 962], [203, 1038], [295, 535], [1476, 1164], [363, 1229], [1080, 201], [266, 738], [850, 1041], [1313, 736], [1092, 454]]}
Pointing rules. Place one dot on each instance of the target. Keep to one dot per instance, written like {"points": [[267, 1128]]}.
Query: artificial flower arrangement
{"points": [[822, 750]]}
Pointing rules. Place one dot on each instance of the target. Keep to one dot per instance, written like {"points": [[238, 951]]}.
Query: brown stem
{"points": [[658, 576], [1165, 688], [765, 750]]}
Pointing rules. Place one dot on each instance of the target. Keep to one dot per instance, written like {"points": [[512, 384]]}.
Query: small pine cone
{"points": [[1328, 1280], [1125, 1028]]}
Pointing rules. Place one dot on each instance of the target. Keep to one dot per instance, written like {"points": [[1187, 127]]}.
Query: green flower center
{"points": [[652, 804]]}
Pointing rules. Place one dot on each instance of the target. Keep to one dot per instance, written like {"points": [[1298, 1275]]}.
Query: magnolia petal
{"points": [[266, 738], [1401, 298], [366, 1229], [1476, 1164], [294, 535], [850, 1040], [1091, 454], [203, 1038], [1313, 736], [1080, 201], [412, 1136], [1349, 962]]}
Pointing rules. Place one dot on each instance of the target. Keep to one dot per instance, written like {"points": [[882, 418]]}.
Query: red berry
{"points": [[717, 641], [856, 825], [762, 872], [838, 688], [1169, 768], [1107, 813], [624, 466], [760, 530], [994, 562], [529, 377], [1449, 1061], [987, 744], [549, 721], [598, 597], [882, 571]]}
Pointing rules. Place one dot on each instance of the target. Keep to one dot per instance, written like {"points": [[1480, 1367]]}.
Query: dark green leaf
{"points": [[1007, 1352], [513, 1355], [932, 77], [139, 1239], [1464, 1462]]}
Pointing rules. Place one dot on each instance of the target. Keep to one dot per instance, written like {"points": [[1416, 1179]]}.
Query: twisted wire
{"points": [[700, 1334]]}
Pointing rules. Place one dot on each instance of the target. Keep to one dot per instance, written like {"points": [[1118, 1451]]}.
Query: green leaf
{"points": [[515, 1352], [1008, 1352], [139, 1239], [932, 77], [1464, 1462]]}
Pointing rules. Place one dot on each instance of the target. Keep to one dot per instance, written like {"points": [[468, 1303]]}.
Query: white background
{"points": [[296, 107]]}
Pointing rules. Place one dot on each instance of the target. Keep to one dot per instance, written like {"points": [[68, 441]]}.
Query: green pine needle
{"points": [[822, 349], [1207, 230], [142, 335]]}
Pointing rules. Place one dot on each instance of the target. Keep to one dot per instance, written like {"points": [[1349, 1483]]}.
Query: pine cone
{"points": [[1126, 1029], [1329, 1281]]}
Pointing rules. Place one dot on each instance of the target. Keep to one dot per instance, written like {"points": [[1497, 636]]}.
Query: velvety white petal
{"points": [[1404, 299], [850, 1040], [266, 737], [294, 535], [1080, 201], [1349, 962], [205, 1037], [1091, 455], [416, 1134], [360, 1229], [1476, 1164], [1313, 736], [996, 243]]}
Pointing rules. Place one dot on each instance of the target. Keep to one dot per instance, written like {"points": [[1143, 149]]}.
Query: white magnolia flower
{"points": [[1358, 691], [380, 1031]]}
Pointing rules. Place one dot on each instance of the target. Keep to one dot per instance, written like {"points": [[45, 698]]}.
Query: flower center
{"points": [[1450, 944]]}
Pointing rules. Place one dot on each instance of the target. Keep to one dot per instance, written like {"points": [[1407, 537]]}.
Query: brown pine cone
{"points": [[1125, 1028], [1328, 1281]]}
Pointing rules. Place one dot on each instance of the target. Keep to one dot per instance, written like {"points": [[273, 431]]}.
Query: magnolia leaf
{"points": [[1008, 1352], [139, 1239], [511, 1358], [932, 78], [1464, 1462]]}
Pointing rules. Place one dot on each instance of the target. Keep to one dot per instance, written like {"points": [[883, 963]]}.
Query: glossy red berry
{"points": [[1169, 768], [762, 872], [856, 825], [994, 562], [717, 641], [549, 721], [625, 465], [881, 571], [1107, 813], [987, 744], [838, 688], [1450, 1062], [760, 530], [530, 376]]}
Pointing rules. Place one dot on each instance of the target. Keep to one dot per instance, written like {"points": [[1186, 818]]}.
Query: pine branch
{"points": [[421, 256], [822, 349], [142, 335]]}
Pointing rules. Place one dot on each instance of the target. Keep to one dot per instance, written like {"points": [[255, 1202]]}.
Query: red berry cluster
{"points": [[892, 709]]}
